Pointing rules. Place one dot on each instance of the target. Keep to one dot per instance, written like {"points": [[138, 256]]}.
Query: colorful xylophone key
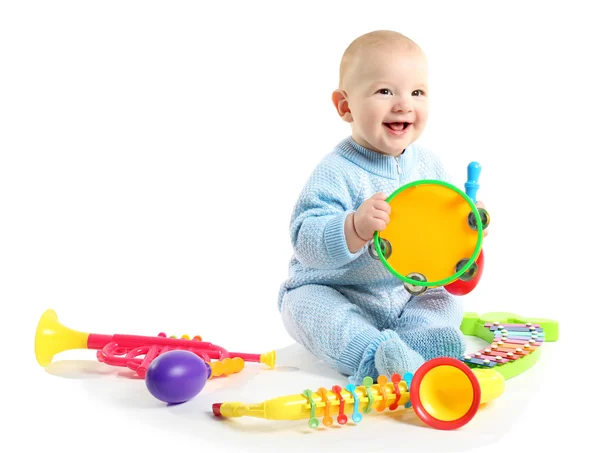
{"points": [[510, 342]]}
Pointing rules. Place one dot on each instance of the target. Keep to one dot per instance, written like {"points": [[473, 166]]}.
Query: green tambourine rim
{"points": [[475, 252]]}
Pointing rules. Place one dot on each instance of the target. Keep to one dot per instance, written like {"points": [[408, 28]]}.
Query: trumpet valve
{"points": [[185, 336]]}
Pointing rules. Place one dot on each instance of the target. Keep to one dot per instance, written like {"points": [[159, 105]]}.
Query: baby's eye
{"points": [[417, 93], [385, 91]]}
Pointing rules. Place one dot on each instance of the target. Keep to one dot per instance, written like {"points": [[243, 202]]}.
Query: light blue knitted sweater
{"points": [[343, 305]]}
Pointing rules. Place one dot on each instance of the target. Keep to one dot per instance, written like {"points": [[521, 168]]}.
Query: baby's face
{"points": [[388, 99]]}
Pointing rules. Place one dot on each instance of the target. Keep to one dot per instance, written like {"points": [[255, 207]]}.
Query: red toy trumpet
{"points": [[134, 351]]}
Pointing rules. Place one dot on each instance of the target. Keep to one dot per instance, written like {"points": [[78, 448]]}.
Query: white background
{"points": [[151, 154]]}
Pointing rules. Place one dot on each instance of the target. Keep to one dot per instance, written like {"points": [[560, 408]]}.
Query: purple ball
{"points": [[177, 376]]}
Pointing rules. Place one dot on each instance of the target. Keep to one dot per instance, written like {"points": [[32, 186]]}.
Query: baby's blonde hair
{"points": [[368, 41]]}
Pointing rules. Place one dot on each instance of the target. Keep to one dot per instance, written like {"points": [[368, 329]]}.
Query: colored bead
{"points": [[341, 418], [382, 381], [327, 420], [396, 380], [368, 382], [356, 416], [312, 421]]}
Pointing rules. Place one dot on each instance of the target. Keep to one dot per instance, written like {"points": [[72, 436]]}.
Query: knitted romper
{"points": [[346, 308]]}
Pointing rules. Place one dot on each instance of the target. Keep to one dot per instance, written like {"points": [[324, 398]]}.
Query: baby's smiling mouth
{"points": [[397, 126]]}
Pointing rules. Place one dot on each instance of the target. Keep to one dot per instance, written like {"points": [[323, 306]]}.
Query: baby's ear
{"points": [[340, 101]]}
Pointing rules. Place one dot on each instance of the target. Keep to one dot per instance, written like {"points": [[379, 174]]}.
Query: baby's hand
{"points": [[372, 215]]}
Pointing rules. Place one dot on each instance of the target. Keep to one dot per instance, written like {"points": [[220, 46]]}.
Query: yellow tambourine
{"points": [[434, 236]]}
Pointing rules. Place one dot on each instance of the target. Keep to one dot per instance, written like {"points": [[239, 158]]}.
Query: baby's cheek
{"points": [[371, 113]]}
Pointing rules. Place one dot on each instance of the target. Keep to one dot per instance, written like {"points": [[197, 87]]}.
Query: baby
{"points": [[339, 302]]}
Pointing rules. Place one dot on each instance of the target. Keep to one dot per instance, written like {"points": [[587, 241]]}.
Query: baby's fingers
{"points": [[382, 205], [381, 215], [379, 224], [379, 196]]}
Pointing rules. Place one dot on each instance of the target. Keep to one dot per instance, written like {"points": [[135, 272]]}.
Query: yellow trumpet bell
{"points": [[51, 337], [446, 393]]}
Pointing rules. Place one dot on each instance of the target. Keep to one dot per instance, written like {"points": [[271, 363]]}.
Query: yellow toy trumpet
{"points": [[444, 393]]}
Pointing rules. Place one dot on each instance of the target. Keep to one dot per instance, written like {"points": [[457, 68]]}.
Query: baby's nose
{"points": [[402, 104]]}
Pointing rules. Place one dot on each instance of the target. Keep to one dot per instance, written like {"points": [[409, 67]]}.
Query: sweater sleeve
{"points": [[317, 224]]}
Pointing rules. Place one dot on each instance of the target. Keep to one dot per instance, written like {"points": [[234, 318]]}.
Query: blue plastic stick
{"points": [[472, 184]]}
